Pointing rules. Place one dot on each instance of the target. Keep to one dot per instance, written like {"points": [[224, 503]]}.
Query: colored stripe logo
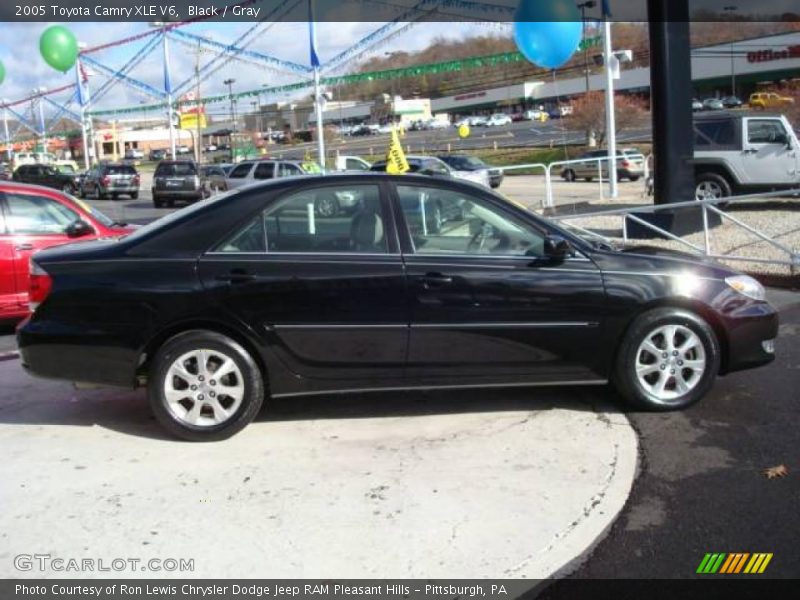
{"points": [[734, 563]]}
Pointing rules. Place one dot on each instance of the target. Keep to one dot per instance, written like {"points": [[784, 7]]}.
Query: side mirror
{"points": [[78, 229], [557, 247]]}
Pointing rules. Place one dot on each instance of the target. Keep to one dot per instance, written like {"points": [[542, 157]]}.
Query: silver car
{"points": [[630, 166]]}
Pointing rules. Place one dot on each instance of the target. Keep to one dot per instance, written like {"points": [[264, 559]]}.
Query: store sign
{"points": [[770, 55]]}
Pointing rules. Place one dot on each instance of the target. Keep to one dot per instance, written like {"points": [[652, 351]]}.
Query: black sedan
{"points": [[253, 294]]}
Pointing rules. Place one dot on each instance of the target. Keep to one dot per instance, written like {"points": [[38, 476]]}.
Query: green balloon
{"points": [[59, 48], [2, 72]]}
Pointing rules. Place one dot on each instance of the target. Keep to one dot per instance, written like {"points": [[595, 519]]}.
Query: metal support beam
{"points": [[671, 100]]}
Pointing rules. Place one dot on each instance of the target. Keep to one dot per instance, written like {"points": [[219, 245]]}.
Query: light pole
{"points": [[5, 127], [731, 9], [41, 91], [167, 85], [229, 82], [83, 100], [583, 6], [611, 122]]}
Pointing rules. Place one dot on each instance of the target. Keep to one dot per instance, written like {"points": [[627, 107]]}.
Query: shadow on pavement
{"points": [[31, 401]]}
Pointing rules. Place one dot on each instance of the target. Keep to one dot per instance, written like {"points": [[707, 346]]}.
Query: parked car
{"points": [[468, 167], [351, 163], [630, 165], [744, 152], [433, 124], [33, 218], [158, 154], [732, 102], [713, 104], [133, 154], [5, 172], [178, 180], [498, 120], [535, 115], [183, 149], [764, 100], [210, 148], [250, 171], [45, 175], [110, 179], [77, 175], [215, 176], [231, 302], [478, 121], [697, 105]]}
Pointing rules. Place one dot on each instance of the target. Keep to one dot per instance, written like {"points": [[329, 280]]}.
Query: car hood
{"points": [[675, 260]]}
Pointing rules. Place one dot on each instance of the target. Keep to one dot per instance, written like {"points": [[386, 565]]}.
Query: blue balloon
{"points": [[547, 32]]}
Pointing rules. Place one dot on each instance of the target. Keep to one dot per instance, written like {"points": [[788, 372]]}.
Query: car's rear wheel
{"points": [[68, 189], [668, 360], [157, 201], [569, 175], [204, 386], [134, 195], [115, 196]]}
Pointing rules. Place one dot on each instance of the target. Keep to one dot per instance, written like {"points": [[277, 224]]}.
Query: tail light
{"points": [[106, 180], [39, 285], [625, 164], [136, 180]]}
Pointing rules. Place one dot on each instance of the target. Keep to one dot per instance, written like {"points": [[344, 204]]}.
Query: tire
{"points": [[115, 196], [157, 202], [694, 366], [588, 179], [101, 195], [711, 185], [68, 189], [134, 195], [170, 202], [568, 175], [189, 402], [633, 179]]}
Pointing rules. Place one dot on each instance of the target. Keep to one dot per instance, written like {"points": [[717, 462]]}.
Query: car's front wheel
{"points": [[568, 175], [668, 360], [710, 186], [204, 386]]}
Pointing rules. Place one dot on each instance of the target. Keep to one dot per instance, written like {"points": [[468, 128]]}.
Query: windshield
{"points": [[96, 214], [310, 167], [66, 169], [122, 170], [175, 169], [464, 163]]}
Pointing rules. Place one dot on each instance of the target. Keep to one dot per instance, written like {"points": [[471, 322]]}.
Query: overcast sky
{"points": [[25, 69]]}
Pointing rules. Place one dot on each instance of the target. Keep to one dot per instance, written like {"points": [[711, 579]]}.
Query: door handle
{"points": [[23, 247], [236, 277], [430, 280]]}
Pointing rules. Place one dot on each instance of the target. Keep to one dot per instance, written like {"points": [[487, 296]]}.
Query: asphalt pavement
{"points": [[702, 485]]}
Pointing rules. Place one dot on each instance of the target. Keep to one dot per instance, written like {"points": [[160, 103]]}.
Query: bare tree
{"points": [[589, 114]]}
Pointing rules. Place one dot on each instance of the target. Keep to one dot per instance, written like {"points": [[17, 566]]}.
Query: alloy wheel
{"points": [[204, 388], [670, 362], [708, 190]]}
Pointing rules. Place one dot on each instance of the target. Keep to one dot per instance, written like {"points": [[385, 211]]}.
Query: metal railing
{"points": [[548, 201], [707, 205]]}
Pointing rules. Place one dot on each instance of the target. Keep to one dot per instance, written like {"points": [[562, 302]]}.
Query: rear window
{"points": [[175, 169], [121, 170]]}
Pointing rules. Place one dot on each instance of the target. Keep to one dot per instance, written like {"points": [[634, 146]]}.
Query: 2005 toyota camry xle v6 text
{"points": [[423, 283]]}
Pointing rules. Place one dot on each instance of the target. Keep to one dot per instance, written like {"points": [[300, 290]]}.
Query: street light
{"points": [[6, 102], [229, 82], [40, 91], [583, 6], [731, 9]]}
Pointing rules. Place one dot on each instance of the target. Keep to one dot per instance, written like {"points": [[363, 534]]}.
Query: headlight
{"points": [[747, 286]]}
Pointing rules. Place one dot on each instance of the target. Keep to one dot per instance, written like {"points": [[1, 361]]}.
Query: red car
{"points": [[32, 218]]}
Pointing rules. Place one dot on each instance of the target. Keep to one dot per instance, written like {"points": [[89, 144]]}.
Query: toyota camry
{"points": [[254, 294]]}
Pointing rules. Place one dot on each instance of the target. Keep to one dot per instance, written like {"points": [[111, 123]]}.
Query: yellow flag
{"points": [[396, 162]]}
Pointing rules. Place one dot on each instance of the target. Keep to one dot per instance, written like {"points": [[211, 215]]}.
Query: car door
{"points": [[33, 222], [768, 157], [10, 302], [486, 306], [239, 175], [326, 292]]}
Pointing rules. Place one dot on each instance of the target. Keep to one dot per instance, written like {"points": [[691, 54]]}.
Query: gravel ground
{"points": [[778, 218]]}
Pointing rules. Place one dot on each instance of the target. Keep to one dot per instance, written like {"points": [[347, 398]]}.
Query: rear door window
{"points": [[264, 171], [176, 170], [241, 171]]}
